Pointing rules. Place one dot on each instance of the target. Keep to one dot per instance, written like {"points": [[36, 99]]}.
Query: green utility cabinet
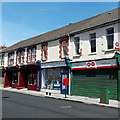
{"points": [[104, 96]]}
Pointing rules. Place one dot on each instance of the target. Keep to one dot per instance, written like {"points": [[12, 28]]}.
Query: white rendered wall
{"points": [[53, 51], [38, 52], [101, 45]]}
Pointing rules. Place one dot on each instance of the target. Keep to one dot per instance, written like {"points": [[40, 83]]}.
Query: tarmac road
{"points": [[16, 105]]}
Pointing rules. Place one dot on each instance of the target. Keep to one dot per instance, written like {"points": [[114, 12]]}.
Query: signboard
{"points": [[95, 64], [53, 64]]}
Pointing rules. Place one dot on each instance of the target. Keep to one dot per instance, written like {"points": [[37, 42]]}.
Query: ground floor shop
{"points": [[19, 77], [41, 76], [52, 75], [90, 78]]}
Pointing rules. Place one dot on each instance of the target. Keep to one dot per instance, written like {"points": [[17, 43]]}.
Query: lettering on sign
{"points": [[90, 64]]}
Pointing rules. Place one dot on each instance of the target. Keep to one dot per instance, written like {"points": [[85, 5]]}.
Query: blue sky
{"points": [[22, 20]]}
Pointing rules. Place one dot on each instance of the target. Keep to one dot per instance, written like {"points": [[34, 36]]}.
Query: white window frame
{"points": [[108, 35], [91, 40], [11, 59], [64, 46], [33, 50], [22, 56], [77, 44]]}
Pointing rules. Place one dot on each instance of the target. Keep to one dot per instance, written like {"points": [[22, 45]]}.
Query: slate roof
{"points": [[91, 22]]}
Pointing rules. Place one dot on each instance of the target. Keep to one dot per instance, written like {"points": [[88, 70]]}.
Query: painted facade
{"points": [[90, 49]]}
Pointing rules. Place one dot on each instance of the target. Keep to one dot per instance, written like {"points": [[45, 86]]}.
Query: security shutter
{"points": [[90, 82]]}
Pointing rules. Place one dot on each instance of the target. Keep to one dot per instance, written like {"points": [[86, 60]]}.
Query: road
{"points": [[16, 105]]}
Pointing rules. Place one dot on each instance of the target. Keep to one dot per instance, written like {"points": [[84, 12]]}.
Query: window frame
{"points": [[11, 58], [2, 59], [33, 78], [92, 43], [77, 44], [30, 54], [20, 56], [44, 51], [110, 35], [61, 47]]}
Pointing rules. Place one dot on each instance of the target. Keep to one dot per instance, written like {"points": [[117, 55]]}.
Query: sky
{"points": [[22, 20]]}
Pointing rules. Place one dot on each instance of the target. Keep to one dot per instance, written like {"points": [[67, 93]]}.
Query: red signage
{"points": [[90, 64], [66, 81], [116, 44]]}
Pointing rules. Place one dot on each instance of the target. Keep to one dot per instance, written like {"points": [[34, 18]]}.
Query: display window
{"points": [[32, 78], [14, 78], [52, 78]]}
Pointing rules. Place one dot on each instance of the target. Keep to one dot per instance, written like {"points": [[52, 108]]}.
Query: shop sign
{"points": [[98, 63], [53, 64]]}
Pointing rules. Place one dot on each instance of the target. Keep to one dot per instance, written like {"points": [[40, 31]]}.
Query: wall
{"points": [[101, 49], [101, 45]]}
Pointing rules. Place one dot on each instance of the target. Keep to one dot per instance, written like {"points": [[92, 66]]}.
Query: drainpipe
{"points": [[40, 74], [117, 56], [68, 63]]}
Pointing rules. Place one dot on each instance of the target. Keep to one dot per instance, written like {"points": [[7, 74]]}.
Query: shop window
{"points": [[32, 78], [11, 58], [110, 37], [93, 42], [31, 54], [51, 78], [64, 70], [14, 78], [63, 47], [77, 45], [44, 51]]}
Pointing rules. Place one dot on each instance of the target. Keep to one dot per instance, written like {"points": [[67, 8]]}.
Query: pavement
{"points": [[86, 100]]}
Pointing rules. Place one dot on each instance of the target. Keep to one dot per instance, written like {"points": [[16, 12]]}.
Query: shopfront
{"points": [[91, 77], [11, 77], [30, 76], [24, 76], [52, 76]]}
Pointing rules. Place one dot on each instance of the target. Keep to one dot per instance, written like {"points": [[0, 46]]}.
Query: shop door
{"points": [[63, 88]]}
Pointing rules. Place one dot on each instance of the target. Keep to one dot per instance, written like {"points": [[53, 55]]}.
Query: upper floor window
{"points": [[77, 45], [31, 54], [93, 42], [1, 59], [11, 58], [110, 37], [20, 56], [44, 51], [63, 47]]}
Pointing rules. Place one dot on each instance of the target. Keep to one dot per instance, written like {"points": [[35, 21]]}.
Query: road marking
{"points": [[66, 106]]}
